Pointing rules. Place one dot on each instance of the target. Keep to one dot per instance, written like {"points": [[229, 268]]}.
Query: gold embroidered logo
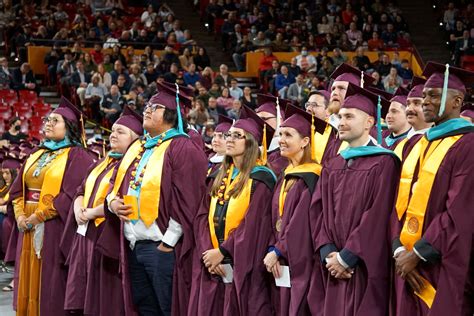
{"points": [[47, 199], [413, 225]]}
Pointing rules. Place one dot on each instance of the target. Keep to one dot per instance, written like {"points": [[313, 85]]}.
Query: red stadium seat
{"points": [[23, 110], [8, 96], [27, 96], [5, 111]]}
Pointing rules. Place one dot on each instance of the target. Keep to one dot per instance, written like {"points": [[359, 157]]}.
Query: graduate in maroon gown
{"points": [[218, 143], [468, 112], [434, 250], [42, 196], [355, 196], [291, 243], [84, 292], [155, 194], [271, 110], [397, 122], [233, 228]]}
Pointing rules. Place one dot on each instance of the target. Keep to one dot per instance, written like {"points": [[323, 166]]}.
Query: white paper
{"points": [[82, 229], [284, 279], [229, 273]]}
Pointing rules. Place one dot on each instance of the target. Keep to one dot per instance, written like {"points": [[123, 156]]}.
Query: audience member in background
{"points": [[377, 80], [375, 43], [283, 81], [363, 62], [119, 69], [172, 74], [293, 68], [89, 65], [207, 77], [215, 91], [151, 74], [148, 16], [186, 59], [305, 61], [5, 74], [404, 70], [223, 78], [270, 75], [234, 112], [296, 91], [95, 93], [112, 105], [122, 85], [389, 36], [202, 60], [326, 69], [248, 100], [14, 134], [136, 75], [396, 79], [464, 46], [225, 100], [338, 57], [51, 59], [215, 110], [191, 76], [97, 54], [199, 114], [105, 77], [235, 91], [239, 55], [79, 81], [203, 95], [66, 68], [265, 63], [384, 66], [279, 44], [24, 79]]}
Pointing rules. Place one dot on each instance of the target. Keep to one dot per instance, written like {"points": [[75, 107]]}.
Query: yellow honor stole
{"points": [[343, 146], [429, 163], [399, 148], [321, 141], [53, 178], [149, 200], [103, 186], [236, 209]]}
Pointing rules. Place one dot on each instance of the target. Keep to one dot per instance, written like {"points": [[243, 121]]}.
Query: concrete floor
{"points": [[6, 298]]}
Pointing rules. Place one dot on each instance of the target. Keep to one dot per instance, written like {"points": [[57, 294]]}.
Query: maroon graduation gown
{"points": [[276, 162], [247, 244], [182, 187], [295, 244], [53, 271], [447, 230], [355, 198]]}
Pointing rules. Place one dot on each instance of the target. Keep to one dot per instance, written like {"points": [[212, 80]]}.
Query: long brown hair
{"points": [[306, 158], [249, 161]]}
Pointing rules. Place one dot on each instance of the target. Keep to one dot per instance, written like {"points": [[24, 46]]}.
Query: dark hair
{"points": [[171, 117], [73, 132], [13, 120]]}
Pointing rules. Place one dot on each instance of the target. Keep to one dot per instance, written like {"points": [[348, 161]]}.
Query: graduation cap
{"points": [[224, 124], [400, 96], [10, 162], [353, 75], [467, 110], [132, 120], [368, 102], [184, 90], [326, 94], [70, 112], [384, 94], [447, 77], [26, 148], [251, 123], [273, 105], [417, 85]]}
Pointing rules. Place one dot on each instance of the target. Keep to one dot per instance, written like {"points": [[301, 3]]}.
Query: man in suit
{"points": [[464, 46], [5, 74], [24, 79], [296, 90], [79, 80]]}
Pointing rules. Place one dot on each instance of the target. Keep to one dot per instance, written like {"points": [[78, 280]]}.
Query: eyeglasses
{"points": [[233, 136], [51, 120], [153, 107], [313, 105]]}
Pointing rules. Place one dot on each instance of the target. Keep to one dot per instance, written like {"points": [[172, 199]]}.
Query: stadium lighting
{"points": [[434, 6], [440, 23]]}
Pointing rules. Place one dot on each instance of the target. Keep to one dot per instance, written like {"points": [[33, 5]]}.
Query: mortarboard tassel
{"points": [[278, 115], [83, 132], [264, 145], [178, 108], [313, 139], [103, 148], [362, 79], [444, 95], [379, 121]]}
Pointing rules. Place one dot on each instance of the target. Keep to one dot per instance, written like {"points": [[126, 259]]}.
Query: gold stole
{"points": [[399, 148], [101, 190], [304, 168], [52, 178], [236, 210], [321, 141], [343, 146], [149, 202], [413, 226]]}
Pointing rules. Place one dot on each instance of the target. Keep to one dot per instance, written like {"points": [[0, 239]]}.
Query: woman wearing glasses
{"points": [[42, 197], [233, 227], [85, 294], [291, 245]]}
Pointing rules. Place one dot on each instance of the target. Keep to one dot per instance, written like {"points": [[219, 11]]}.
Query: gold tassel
{"points": [[264, 145], [83, 132], [313, 140], [103, 148]]}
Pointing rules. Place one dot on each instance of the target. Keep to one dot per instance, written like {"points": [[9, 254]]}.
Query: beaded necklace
{"points": [[45, 159], [135, 182], [222, 195]]}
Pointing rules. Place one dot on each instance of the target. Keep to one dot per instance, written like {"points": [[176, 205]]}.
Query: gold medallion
{"points": [[278, 225], [413, 225], [47, 199]]}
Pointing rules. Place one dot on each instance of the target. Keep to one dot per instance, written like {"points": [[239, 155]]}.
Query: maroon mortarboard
{"points": [[68, 111], [132, 120], [467, 110], [417, 85], [250, 122], [166, 96], [301, 120], [457, 78], [351, 74], [224, 124], [326, 94], [267, 103], [400, 96], [364, 100], [26, 148], [10, 162], [184, 90], [384, 94]]}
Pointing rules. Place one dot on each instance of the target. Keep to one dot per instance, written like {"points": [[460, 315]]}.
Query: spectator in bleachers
{"points": [[392, 81], [5, 74], [363, 62], [271, 75], [375, 43], [314, 84], [24, 79], [105, 77], [324, 26], [119, 69], [296, 91], [136, 75], [213, 12], [89, 64], [306, 61], [235, 91], [94, 96], [14, 134], [449, 18], [191, 76], [247, 99], [344, 43], [383, 67], [172, 74], [266, 61], [214, 91], [204, 96], [202, 60], [389, 36], [234, 111], [123, 86], [187, 41], [100, 29], [338, 57], [224, 77], [377, 80], [52, 59], [148, 16], [207, 77], [283, 81], [169, 57], [404, 70], [186, 59], [215, 110], [227, 30], [464, 46], [225, 100], [240, 52], [235, 38], [279, 44], [112, 104], [326, 69], [293, 67], [117, 55], [150, 73], [199, 114], [353, 34], [79, 80]]}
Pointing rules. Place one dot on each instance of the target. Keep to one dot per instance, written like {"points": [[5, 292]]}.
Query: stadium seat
{"points": [[5, 111], [8, 95], [23, 110], [27, 96]]}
